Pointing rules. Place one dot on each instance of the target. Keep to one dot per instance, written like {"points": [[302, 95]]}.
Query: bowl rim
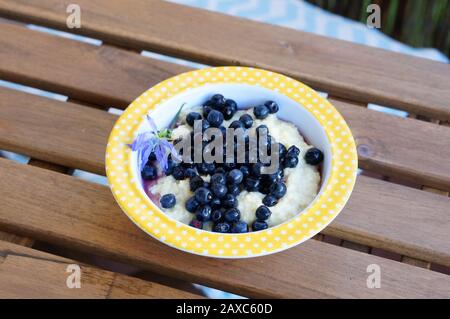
{"points": [[147, 215]]}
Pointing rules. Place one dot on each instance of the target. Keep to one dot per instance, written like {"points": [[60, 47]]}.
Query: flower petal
{"points": [[169, 146], [152, 124]]}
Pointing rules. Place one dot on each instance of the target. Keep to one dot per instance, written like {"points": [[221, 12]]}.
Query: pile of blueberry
{"points": [[216, 200]]}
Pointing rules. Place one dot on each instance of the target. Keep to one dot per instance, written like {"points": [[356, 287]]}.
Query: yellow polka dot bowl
{"points": [[317, 120]]}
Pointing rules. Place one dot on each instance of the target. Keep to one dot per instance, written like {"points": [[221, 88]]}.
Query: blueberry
{"points": [[227, 112], [272, 106], [247, 120], [178, 172], [252, 184], [191, 204], [216, 215], [220, 170], [263, 213], [190, 172], [205, 168], [206, 110], [261, 112], [215, 118], [257, 169], [290, 161], [217, 101], [215, 202], [191, 117], [220, 190], [234, 189], [278, 189], [239, 227], [313, 156], [270, 200], [293, 151], [168, 201], [235, 176], [229, 166], [231, 103], [222, 228], [229, 109], [232, 215], [152, 156], [218, 178], [195, 182], [259, 225], [149, 172], [203, 213], [188, 165], [205, 125], [245, 170], [170, 165], [236, 125], [229, 201], [203, 195], [210, 168], [196, 224], [273, 178], [264, 188], [281, 150]]}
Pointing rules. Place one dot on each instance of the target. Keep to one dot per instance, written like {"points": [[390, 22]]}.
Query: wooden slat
{"points": [[27, 273], [381, 146], [59, 132], [75, 136], [100, 75], [25, 241], [399, 147], [77, 214], [338, 67], [399, 219]]}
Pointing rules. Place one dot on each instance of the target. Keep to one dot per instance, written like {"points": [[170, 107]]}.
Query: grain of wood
{"points": [[341, 68], [49, 276], [75, 136], [26, 241], [377, 152], [64, 133], [386, 144], [395, 218], [82, 215], [101, 75], [399, 147]]}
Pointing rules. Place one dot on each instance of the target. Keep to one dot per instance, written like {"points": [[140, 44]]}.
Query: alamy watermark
{"points": [[374, 279], [74, 278], [374, 17], [73, 20]]}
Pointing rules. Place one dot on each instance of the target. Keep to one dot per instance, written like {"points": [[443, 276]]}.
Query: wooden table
{"points": [[398, 216]]}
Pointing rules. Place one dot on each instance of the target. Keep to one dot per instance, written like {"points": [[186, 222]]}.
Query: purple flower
{"points": [[153, 141]]}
